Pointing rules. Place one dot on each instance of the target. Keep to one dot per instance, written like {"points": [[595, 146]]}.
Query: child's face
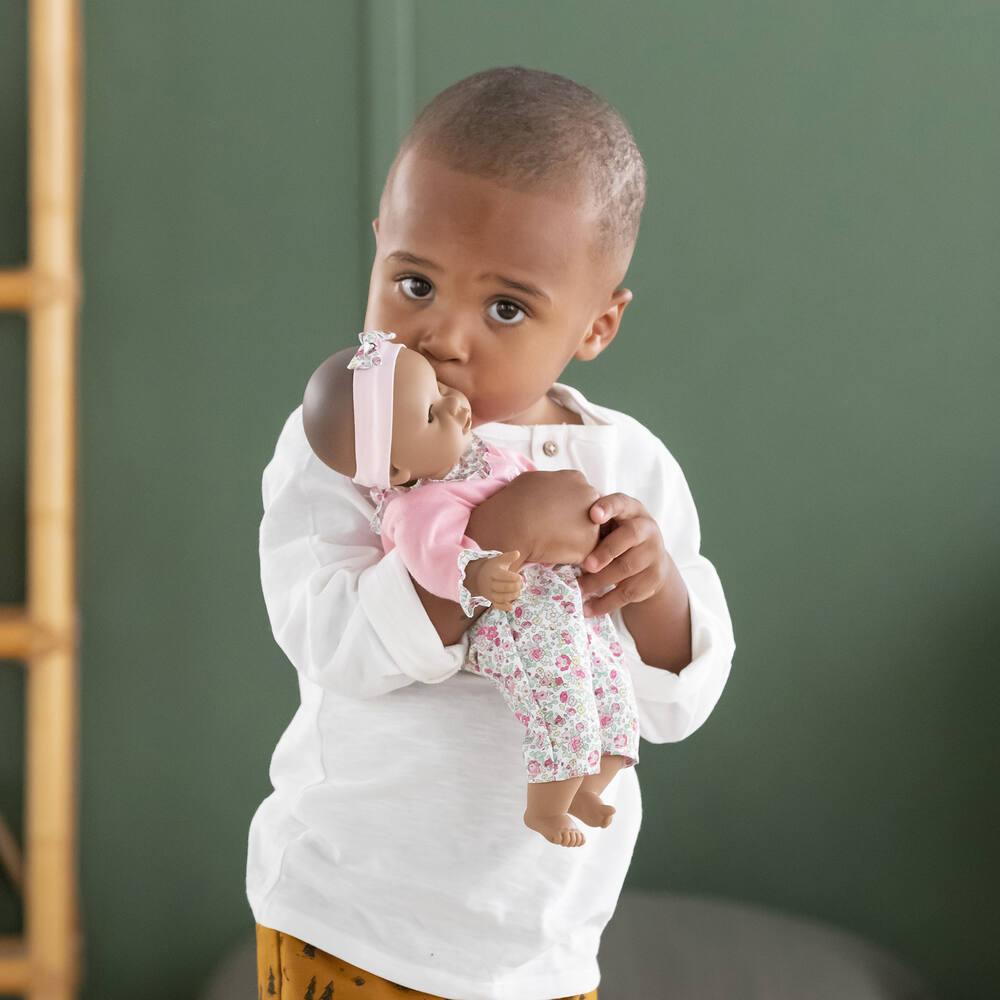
{"points": [[431, 422], [460, 305]]}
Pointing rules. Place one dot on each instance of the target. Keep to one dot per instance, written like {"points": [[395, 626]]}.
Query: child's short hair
{"points": [[532, 129]]}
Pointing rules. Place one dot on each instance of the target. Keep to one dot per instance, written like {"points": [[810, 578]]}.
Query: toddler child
{"points": [[504, 231]]}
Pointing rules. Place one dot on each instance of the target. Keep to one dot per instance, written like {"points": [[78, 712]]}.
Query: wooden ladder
{"points": [[44, 962]]}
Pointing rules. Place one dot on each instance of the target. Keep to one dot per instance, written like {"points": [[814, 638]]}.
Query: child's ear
{"points": [[602, 331], [375, 226]]}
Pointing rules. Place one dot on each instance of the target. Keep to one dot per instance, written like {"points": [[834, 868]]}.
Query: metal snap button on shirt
{"points": [[550, 448]]}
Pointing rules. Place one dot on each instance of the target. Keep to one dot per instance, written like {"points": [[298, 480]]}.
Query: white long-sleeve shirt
{"points": [[394, 836]]}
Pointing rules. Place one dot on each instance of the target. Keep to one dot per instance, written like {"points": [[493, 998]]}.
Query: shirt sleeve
{"points": [[673, 706], [345, 614], [427, 526]]}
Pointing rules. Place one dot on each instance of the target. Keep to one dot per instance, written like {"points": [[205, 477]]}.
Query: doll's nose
{"points": [[458, 408]]}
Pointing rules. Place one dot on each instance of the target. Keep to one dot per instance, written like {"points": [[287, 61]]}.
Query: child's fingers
{"points": [[626, 536], [617, 505], [629, 565], [639, 587]]}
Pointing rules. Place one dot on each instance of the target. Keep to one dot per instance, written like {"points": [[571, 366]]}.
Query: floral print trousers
{"points": [[561, 674]]}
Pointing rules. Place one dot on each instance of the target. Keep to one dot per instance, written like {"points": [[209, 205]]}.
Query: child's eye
{"points": [[510, 313], [419, 282], [507, 305]]}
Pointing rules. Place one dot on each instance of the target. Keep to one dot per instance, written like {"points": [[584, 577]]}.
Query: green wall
{"points": [[816, 278]]}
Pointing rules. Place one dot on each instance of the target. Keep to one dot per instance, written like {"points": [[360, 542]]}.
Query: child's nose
{"points": [[444, 343]]}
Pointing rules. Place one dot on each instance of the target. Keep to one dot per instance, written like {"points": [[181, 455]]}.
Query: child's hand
{"points": [[630, 554], [543, 513], [494, 579]]}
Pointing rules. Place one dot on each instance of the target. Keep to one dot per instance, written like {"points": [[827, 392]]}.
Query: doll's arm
{"points": [[428, 526], [543, 514]]}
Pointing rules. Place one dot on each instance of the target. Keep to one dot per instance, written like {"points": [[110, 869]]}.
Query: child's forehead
{"points": [[431, 207]]}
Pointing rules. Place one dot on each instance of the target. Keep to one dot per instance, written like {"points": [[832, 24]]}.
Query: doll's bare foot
{"points": [[559, 829], [589, 807]]}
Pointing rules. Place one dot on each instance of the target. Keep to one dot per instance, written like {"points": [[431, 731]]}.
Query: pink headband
{"points": [[374, 365]]}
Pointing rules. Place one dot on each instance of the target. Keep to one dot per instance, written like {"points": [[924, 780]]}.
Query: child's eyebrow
{"points": [[412, 258]]}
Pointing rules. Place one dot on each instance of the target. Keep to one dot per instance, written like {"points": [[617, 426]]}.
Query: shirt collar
{"points": [[573, 399], [565, 395]]}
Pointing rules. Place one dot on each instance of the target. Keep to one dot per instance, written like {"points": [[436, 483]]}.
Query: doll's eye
{"points": [[506, 305], [430, 416], [421, 283]]}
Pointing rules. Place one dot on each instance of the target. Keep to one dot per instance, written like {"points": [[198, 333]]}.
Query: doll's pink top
{"points": [[427, 522]]}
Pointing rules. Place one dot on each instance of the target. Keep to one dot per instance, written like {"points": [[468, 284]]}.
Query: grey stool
{"points": [[660, 946]]}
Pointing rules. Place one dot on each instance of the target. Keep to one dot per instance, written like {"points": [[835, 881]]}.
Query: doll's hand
{"points": [[494, 579], [630, 554]]}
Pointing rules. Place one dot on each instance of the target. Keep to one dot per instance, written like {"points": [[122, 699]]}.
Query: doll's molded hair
{"points": [[328, 412]]}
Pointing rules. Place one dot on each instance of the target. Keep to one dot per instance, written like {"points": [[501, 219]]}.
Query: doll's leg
{"points": [[587, 804], [547, 630], [547, 811], [493, 652], [553, 647], [615, 700], [615, 703], [613, 692]]}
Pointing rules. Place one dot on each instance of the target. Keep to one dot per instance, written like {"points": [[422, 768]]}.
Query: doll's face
{"points": [[431, 422]]}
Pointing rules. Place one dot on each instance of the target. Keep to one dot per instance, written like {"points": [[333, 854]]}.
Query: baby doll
{"points": [[560, 674]]}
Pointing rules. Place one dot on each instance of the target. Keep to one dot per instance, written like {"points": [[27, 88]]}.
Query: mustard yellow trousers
{"points": [[290, 969]]}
